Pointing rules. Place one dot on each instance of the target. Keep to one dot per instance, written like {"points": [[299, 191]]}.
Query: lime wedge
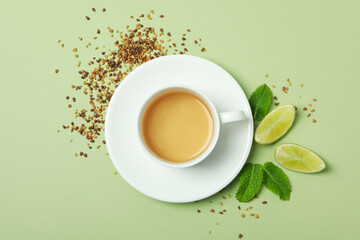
{"points": [[275, 124], [299, 159]]}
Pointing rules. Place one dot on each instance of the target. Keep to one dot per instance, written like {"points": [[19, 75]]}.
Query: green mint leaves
{"points": [[250, 182], [253, 175], [260, 101], [276, 181]]}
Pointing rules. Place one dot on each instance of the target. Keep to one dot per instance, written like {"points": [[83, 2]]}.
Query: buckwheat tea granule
{"points": [[103, 74]]}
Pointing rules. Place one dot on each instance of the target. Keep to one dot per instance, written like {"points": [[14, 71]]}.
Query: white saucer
{"points": [[168, 184]]}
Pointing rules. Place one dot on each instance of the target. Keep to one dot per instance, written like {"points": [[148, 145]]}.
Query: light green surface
{"points": [[47, 193]]}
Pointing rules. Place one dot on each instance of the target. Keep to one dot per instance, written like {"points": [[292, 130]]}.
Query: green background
{"points": [[47, 193]]}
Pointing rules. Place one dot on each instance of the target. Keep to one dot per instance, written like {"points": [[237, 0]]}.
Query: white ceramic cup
{"points": [[218, 118]]}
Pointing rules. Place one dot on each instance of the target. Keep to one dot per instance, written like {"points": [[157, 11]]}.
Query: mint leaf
{"points": [[260, 102], [251, 177], [276, 181]]}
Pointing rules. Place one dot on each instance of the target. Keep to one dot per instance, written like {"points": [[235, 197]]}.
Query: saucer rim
{"points": [[239, 166]]}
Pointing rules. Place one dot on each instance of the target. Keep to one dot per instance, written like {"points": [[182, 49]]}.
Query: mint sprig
{"points": [[253, 175], [250, 182], [260, 101]]}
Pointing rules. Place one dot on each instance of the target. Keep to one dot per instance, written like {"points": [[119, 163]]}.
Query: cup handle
{"points": [[226, 117]]}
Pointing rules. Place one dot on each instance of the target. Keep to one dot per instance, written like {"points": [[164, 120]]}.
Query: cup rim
{"points": [[212, 143]]}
